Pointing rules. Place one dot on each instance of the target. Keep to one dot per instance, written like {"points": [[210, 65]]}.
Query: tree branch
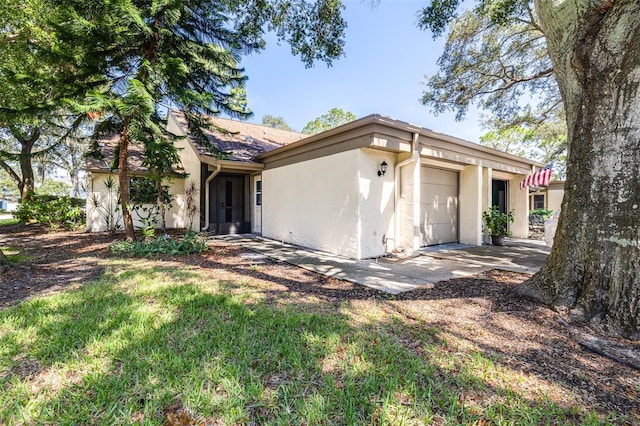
{"points": [[12, 174], [541, 74]]}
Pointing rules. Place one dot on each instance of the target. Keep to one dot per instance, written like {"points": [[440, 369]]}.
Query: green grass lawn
{"points": [[10, 221], [144, 339]]}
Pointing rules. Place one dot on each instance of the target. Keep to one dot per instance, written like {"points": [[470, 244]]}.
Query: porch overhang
{"points": [[229, 165]]}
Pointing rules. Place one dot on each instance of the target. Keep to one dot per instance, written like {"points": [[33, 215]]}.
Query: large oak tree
{"points": [[594, 267], [503, 69], [33, 81]]}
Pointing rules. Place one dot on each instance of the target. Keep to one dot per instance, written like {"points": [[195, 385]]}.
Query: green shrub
{"points": [[52, 211], [189, 244], [497, 221], [53, 187], [541, 212]]}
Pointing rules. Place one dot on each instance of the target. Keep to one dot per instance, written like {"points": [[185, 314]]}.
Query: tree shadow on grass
{"points": [[57, 260], [522, 336], [142, 349], [69, 345], [535, 344]]}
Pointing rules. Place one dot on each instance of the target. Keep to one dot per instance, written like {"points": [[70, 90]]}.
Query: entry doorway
{"points": [[227, 205], [499, 194]]}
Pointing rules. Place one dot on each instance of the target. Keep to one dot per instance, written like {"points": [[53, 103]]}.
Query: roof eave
{"points": [[232, 164], [352, 125], [398, 125]]}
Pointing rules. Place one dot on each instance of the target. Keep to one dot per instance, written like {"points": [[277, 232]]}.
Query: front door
{"points": [[227, 208], [499, 194]]}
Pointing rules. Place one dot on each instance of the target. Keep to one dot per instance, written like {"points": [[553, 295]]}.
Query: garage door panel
{"points": [[438, 176], [439, 206], [440, 213], [439, 193], [438, 233]]}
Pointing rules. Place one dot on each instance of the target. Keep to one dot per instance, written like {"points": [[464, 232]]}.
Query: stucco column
{"points": [[487, 177], [405, 209], [519, 202], [417, 236], [470, 205]]}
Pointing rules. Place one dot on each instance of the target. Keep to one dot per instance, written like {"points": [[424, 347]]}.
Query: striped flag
{"points": [[539, 177]]}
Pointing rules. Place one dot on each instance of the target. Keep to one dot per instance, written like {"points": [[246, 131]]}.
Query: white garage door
{"points": [[438, 206]]}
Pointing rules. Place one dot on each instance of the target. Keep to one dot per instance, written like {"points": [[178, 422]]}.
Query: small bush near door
{"points": [[189, 244]]}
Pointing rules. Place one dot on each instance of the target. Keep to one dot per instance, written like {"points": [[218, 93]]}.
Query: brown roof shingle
{"points": [[244, 141], [107, 147]]}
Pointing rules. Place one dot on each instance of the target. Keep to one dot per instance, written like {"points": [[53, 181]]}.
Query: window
{"points": [[538, 202], [258, 193]]}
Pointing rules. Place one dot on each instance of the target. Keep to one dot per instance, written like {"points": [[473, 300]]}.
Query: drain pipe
{"points": [[206, 195], [397, 181]]}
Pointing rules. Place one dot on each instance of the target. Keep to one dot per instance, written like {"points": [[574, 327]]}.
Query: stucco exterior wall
{"points": [[487, 176], [314, 203], [519, 202], [100, 200], [190, 161], [554, 198], [470, 205], [376, 203]]}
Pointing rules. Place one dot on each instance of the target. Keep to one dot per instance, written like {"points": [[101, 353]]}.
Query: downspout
{"points": [[415, 156], [206, 195]]}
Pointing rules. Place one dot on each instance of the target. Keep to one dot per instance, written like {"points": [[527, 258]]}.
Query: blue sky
{"points": [[387, 58]]}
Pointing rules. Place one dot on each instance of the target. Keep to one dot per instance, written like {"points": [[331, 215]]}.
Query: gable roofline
{"points": [[174, 115], [381, 124], [243, 140]]}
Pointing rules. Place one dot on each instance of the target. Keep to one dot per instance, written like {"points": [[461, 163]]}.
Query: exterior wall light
{"points": [[383, 168]]}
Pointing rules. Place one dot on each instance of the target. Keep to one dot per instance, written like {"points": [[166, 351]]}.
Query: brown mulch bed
{"points": [[479, 311]]}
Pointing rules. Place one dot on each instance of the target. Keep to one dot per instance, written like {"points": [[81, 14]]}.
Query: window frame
{"points": [[258, 192], [541, 196]]}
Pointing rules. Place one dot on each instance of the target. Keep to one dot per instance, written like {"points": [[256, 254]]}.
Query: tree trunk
{"points": [[75, 184], [594, 266], [162, 205], [28, 177], [123, 178]]}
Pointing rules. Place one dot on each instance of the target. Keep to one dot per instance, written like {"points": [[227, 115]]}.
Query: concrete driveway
{"points": [[518, 255], [438, 263]]}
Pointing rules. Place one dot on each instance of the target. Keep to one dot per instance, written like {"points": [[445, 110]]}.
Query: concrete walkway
{"points": [[436, 264]]}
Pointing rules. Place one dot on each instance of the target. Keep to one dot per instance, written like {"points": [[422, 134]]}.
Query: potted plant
{"points": [[497, 223]]}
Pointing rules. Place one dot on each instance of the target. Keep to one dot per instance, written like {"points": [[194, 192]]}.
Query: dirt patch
{"points": [[55, 260], [479, 312]]}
